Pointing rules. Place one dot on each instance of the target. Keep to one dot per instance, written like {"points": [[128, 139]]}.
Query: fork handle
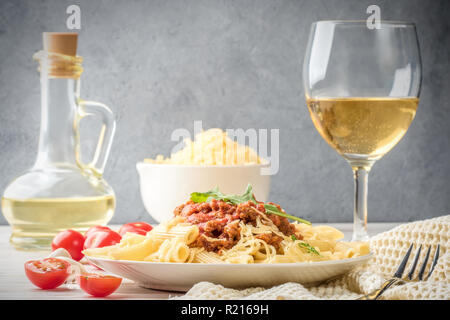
{"points": [[374, 295]]}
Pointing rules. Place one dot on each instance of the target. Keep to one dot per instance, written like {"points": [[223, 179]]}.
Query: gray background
{"points": [[160, 65]]}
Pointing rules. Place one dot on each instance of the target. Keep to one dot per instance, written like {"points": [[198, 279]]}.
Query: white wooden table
{"points": [[15, 285]]}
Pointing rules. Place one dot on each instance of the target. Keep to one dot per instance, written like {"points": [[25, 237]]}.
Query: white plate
{"points": [[182, 276]]}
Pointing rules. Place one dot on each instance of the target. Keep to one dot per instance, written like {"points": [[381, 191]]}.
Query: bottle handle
{"points": [[91, 108]]}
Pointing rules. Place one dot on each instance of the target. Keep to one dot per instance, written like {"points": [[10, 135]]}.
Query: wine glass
{"points": [[362, 90]]}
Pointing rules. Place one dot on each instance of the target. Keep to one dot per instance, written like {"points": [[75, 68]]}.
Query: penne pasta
{"points": [[245, 258], [171, 250], [187, 232], [207, 257], [327, 232]]}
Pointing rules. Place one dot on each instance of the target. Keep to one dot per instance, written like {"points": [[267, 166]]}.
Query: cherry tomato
{"points": [[70, 240], [47, 273], [135, 227], [102, 238], [95, 229], [98, 285]]}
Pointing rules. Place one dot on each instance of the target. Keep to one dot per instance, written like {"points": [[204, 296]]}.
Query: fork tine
{"points": [[424, 264], [413, 267], [435, 260], [401, 267]]}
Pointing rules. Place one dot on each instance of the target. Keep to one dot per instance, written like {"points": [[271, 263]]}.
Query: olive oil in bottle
{"points": [[42, 218], [60, 191]]}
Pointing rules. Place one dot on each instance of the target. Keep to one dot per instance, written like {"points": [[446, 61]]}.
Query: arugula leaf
{"points": [[203, 196], [216, 194], [271, 209], [309, 248], [306, 246], [236, 199]]}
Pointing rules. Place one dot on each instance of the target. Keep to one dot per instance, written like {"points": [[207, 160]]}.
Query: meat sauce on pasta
{"points": [[219, 220]]}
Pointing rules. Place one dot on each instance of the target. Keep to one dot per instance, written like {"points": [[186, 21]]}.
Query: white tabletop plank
{"points": [[15, 285]]}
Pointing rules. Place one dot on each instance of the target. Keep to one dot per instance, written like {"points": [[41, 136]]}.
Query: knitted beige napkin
{"points": [[388, 247]]}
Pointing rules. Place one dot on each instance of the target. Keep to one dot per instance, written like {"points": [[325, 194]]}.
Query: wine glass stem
{"points": [[361, 176]]}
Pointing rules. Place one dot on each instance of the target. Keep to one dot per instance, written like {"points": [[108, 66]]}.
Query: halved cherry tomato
{"points": [[70, 240], [95, 229], [135, 227], [102, 238], [98, 285], [47, 273]]}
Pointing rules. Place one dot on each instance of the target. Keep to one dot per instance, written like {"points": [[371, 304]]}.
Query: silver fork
{"points": [[397, 277]]}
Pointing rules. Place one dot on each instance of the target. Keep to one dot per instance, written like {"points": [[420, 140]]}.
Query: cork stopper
{"points": [[60, 42]]}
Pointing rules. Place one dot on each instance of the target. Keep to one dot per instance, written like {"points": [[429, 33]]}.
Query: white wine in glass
{"points": [[362, 87]]}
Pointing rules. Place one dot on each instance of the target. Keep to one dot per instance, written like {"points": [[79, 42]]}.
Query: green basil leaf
{"points": [[271, 209], [305, 245], [309, 248]]}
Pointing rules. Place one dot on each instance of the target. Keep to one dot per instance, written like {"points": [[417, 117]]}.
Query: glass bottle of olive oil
{"points": [[60, 191]]}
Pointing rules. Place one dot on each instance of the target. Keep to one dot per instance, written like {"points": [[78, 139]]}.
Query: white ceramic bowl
{"points": [[166, 186]]}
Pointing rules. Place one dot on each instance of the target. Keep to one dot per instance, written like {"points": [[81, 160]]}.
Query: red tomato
{"points": [[135, 227], [70, 240], [102, 238], [95, 229], [98, 285], [47, 273]]}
